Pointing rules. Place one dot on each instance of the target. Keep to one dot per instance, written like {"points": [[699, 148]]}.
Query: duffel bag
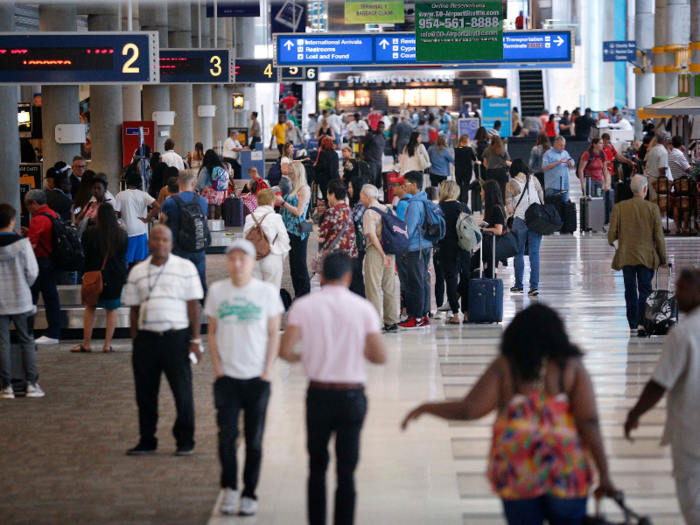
{"points": [[543, 219]]}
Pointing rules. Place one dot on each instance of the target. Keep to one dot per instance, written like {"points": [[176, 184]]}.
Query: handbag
{"points": [[630, 517], [93, 285]]}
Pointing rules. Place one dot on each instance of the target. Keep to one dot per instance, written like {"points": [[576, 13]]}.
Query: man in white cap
{"points": [[244, 335]]}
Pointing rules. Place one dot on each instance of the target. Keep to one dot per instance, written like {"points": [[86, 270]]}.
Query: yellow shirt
{"points": [[280, 133]]}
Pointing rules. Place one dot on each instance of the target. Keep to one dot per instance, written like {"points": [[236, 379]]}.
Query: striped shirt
{"points": [[678, 163], [163, 292]]}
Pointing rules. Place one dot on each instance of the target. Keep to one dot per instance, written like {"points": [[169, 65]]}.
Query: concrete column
{"points": [[695, 37], [229, 32], [157, 97], [232, 115], [244, 38], [59, 103], [220, 40], [220, 122], [677, 34], [106, 111], [659, 43], [131, 95], [180, 36], [201, 93], [9, 140], [644, 35]]}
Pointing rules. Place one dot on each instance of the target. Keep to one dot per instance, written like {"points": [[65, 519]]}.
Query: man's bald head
{"points": [[160, 241]]}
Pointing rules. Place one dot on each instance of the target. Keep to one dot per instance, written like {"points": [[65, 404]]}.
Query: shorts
{"points": [[109, 304], [138, 248]]}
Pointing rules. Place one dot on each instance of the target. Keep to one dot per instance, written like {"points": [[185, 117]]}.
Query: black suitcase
{"points": [[661, 308], [486, 295], [233, 212], [609, 197], [623, 192], [475, 189], [569, 218], [432, 193], [556, 199]]}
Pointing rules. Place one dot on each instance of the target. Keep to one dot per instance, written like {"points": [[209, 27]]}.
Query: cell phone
{"points": [[193, 358]]}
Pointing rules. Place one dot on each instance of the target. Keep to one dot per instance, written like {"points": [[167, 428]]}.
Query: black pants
{"points": [[402, 268], [327, 412], [418, 283], [439, 279], [500, 175], [280, 148], [154, 354], [463, 181], [230, 397], [358, 282], [435, 180], [253, 141], [297, 265], [376, 173], [235, 165], [456, 280], [46, 284]]}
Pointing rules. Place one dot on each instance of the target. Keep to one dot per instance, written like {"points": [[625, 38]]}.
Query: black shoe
{"points": [[393, 329], [515, 289], [185, 451], [141, 450], [641, 332]]}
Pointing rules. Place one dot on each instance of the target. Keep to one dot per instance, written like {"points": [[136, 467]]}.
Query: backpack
{"points": [[394, 233], [219, 179], [434, 226], [194, 230], [468, 232], [365, 171], [257, 236], [67, 250], [275, 173]]}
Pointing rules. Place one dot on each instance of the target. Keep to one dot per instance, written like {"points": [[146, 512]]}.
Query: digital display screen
{"points": [[195, 66], [256, 71], [181, 66], [58, 59]]}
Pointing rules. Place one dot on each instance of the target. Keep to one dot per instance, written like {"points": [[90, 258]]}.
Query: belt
{"points": [[335, 386]]}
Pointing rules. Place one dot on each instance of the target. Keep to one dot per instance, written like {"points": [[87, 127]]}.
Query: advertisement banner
{"points": [[374, 12], [493, 109], [459, 30], [467, 126], [288, 16]]}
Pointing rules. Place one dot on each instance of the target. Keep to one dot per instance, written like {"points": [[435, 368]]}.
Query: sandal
{"points": [[452, 321], [80, 349], [108, 350]]}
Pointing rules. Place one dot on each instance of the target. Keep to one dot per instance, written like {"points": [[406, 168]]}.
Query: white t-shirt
{"points": [[358, 128], [242, 316], [229, 144], [133, 204], [657, 158], [172, 159], [163, 292]]}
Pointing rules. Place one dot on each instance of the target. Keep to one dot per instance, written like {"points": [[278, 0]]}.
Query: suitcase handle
{"points": [[481, 254], [670, 275]]}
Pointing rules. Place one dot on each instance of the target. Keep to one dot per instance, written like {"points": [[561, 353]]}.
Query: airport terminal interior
{"points": [[588, 108]]}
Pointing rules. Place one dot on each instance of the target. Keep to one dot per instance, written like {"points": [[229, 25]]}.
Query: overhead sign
{"points": [[374, 12], [79, 58], [399, 49], [239, 8], [256, 71], [459, 29], [493, 109], [620, 51], [299, 74], [196, 66]]}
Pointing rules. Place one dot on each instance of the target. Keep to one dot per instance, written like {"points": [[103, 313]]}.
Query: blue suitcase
{"points": [[486, 295]]}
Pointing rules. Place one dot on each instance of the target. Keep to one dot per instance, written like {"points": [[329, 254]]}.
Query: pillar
{"points": [[220, 41], [131, 95], [106, 111], [9, 141], [233, 117], [644, 35], [677, 35], [658, 50], [201, 93], [59, 103], [695, 38], [220, 122], [244, 36], [179, 36], [156, 97]]}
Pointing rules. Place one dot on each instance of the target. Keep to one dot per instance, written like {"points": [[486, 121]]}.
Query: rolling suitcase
{"points": [[592, 212], [569, 218], [661, 309], [233, 212], [475, 189], [486, 295], [609, 197]]}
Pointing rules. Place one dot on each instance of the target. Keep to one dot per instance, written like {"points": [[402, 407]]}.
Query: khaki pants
{"points": [[381, 281], [270, 269]]}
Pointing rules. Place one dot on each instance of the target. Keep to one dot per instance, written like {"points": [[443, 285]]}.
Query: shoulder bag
{"points": [[93, 285], [322, 254]]}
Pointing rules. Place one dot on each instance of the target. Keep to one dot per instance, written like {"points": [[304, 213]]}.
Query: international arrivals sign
{"points": [[374, 12], [459, 30]]}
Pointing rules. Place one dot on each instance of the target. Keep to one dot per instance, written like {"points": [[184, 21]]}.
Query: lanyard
{"points": [[152, 286]]}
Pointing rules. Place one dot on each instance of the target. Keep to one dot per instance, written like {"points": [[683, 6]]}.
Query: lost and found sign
{"points": [[459, 30]]}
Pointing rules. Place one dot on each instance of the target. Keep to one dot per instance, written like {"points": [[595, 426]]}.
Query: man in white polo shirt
{"points": [[244, 323], [334, 349], [164, 293]]}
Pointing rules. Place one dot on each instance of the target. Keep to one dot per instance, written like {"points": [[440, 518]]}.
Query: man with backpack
{"points": [[188, 223], [40, 235], [421, 218], [380, 282]]}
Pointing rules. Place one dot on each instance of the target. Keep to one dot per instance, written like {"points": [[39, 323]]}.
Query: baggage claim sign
{"points": [[459, 30]]}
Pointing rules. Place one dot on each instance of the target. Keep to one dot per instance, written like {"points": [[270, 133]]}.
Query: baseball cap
{"points": [[397, 180], [243, 245]]}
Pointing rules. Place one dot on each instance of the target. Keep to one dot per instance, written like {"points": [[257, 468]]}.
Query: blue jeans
{"points": [[46, 284], [535, 511], [418, 283], [533, 241], [637, 279], [199, 259]]}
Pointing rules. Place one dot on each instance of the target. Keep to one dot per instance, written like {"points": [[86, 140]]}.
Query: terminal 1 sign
{"points": [[397, 49]]}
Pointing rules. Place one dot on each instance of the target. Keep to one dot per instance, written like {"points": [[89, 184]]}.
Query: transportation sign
{"points": [[620, 51], [399, 49], [79, 58], [196, 66]]}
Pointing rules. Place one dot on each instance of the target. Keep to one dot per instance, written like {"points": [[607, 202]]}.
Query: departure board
{"points": [[196, 66]]}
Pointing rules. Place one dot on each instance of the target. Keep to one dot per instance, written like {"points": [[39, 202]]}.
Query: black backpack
{"points": [[275, 173], [194, 230], [67, 250], [365, 171]]}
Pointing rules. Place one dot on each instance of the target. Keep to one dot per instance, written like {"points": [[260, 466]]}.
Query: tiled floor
{"points": [[61, 458]]}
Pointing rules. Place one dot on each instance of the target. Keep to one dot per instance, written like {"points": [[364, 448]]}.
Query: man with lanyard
{"points": [[611, 154], [164, 293], [556, 164]]}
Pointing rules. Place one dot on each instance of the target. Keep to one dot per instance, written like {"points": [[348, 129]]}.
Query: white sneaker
{"points": [[249, 506], [43, 340], [229, 502], [445, 308], [7, 393], [34, 390]]}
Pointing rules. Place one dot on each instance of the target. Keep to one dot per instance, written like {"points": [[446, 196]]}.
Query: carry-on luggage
{"points": [[592, 212], [569, 218], [630, 517], [623, 191], [432, 193], [609, 197], [475, 189], [556, 199], [486, 295], [661, 309], [233, 211]]}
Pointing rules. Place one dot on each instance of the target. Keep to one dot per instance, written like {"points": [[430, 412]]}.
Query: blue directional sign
{"points": [[399, 49], [620, 51], [79, 58], [196, 66]]}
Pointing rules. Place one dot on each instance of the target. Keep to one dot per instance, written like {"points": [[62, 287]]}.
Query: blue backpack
{"points": [[394, 233], [219, 179], [434, 226]]}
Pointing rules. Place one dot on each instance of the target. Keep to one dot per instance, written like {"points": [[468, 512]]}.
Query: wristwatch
{"points": [[197, 341]]}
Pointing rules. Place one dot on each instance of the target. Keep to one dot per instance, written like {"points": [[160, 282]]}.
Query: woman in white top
{"points": [[415, 157], [524, 184], [270, 268]]}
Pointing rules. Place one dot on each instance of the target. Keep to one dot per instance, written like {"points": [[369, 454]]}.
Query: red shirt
{"points": [[551, 128], [289, 101], [610, 153], [374, 119], [519, 22], [40, 232], [594, 168]]}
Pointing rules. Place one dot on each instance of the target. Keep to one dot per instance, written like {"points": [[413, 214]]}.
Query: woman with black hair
{"points": [[158, 180], [105, 245], [414, 156], [358, 212], [523, 190], [212, 173], [482, 139], [326, 165], [494, 222], [546, 426]]}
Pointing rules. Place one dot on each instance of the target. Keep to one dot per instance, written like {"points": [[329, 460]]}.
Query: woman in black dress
{"points": [[326, 165], [465, 158]]}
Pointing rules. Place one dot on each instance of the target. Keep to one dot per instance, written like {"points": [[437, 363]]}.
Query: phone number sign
{"points": [[459, 30]]}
